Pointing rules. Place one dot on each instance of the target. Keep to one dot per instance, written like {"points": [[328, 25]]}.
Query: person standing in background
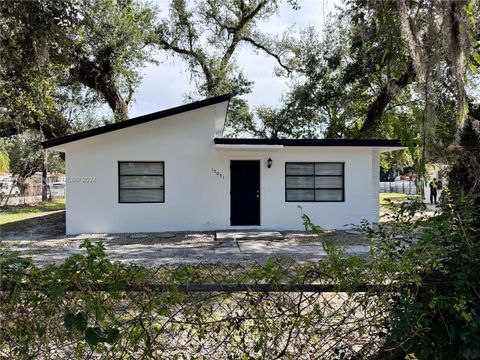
{"points": [[433, 191]]}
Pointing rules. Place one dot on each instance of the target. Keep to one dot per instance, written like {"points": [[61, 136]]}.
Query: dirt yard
{"points": [[43, 237]]}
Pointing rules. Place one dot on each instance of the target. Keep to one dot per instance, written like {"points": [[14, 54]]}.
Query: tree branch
{"points": [[410, 35], [268, 51], [190, 53], [388, 93], [101, 80], [237, 31]]}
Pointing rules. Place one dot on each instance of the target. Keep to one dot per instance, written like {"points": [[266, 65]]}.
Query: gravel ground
{"points": [[44, 239]]}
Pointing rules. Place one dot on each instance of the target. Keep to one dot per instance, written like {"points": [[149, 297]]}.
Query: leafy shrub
{"points": [[440, 319], [432, 264]]}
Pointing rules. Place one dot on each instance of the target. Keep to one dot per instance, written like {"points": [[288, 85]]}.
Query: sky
{"points": [[164, 85]]}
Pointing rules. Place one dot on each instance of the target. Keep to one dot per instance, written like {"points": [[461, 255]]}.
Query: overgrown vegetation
{"points": [[438, 317], [416, 293]]}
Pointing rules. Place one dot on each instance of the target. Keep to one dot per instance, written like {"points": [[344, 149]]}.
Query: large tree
{"points": [[112, 41], [48, 46], [378, 60], [344, 81], [207, 34], [30, 35]]}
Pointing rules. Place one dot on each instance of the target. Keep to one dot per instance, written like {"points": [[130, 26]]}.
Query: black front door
{"points": [[245, 192]]}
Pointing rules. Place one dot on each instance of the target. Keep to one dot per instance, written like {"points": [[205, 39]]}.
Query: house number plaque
{"points": [[218, 173]]}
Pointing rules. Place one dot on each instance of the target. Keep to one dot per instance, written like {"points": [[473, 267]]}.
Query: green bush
{"points": [[432, 264], [441, 318]]}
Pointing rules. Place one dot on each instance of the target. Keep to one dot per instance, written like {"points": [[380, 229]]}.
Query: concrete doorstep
{"points": [[248, 235]]}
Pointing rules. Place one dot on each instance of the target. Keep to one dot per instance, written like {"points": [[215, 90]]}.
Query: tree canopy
{"points": [[50, 47], [378, 62], [376, 70], [206, 35]]}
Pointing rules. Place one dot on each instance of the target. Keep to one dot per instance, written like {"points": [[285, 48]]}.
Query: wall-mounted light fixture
{"points": [[269, 163]]}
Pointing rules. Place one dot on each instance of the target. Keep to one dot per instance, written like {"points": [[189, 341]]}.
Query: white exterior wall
{"points": [[197, 180], [276, 213]]}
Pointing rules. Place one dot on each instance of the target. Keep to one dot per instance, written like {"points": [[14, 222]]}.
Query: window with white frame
{"points": [[141, 182], [314, 182]]}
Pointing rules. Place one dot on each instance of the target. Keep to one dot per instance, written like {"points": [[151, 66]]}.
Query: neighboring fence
{"points": [[402, 187], [30, 194]]}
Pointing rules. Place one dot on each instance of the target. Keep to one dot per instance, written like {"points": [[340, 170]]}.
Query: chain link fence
{"points": [[30, 191], [277, 310]]}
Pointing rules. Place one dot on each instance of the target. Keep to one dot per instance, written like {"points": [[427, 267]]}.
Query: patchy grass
{"points": [[394, 197], [10, 214]]}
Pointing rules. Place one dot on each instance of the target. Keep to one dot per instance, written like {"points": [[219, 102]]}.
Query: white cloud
{"points": [[165, 85]]}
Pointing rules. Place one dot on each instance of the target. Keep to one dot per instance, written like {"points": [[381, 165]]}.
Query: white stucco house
{"points": [[173, 170]]}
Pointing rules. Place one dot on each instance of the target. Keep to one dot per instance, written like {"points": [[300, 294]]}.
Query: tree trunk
{"points": [[101, 79], [9, 194], [116, 102], [464, 175], [45, 196], [387, 94]]}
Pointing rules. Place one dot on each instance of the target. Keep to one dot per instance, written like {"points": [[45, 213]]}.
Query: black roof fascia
{"points": [[136, 121], [310, 142]]}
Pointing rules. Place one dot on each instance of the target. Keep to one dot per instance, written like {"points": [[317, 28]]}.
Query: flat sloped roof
{"points": [[312, 142], [136, 121]]}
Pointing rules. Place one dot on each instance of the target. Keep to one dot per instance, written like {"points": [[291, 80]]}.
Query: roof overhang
{"points": [[390, 148], [226, 147], [276, 144]]}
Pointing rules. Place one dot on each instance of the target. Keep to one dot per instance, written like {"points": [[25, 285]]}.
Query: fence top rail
{"points": [[223, 288]]}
